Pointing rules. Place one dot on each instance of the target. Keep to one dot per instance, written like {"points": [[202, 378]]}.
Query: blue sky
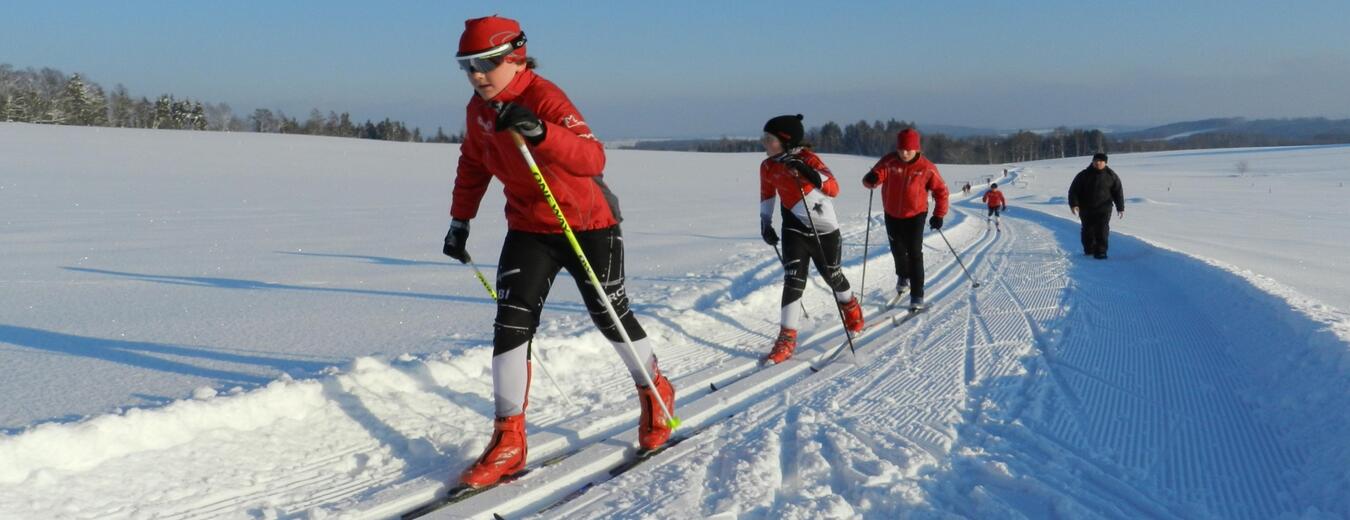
{"points": [[722, 68]]}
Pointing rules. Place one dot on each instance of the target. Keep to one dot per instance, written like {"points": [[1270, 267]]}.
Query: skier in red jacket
{"points": [[509, 96], [906, 177], [994, 199], [810, 227]]}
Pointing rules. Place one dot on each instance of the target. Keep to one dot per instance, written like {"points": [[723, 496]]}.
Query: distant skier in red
{"points": [[796, 176], [509, 96], [906, 178], [994, 199]]}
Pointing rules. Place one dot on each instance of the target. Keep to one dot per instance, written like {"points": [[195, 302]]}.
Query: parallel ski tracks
{"points": [[516, 498]]}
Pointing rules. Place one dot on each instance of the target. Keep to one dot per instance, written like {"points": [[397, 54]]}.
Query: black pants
{"points": [[525, 272], [993, 212], [799, 249], [906, 238], [1096, 228]]}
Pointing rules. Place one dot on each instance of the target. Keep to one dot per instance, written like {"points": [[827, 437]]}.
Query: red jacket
{"points": [[905, 186], [994, 198], [776, 177], [571, 159]]}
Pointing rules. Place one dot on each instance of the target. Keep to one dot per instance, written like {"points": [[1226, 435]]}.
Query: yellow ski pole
{"points": [[671, 421], [481, 279]]}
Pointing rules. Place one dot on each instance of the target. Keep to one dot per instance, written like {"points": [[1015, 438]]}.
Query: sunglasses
{"points": [[488, 60]]}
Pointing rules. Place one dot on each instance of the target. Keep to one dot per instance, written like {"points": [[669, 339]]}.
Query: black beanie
{"points": [[787, 129], [1099, 157]]}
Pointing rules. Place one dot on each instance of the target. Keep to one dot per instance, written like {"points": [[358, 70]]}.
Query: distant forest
{"points": [[52, 97], [877, 138]]}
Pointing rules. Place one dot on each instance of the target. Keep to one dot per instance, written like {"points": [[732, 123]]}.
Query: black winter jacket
{"points": [[1093, 191]]}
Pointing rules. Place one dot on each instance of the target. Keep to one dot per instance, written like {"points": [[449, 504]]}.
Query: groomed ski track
{"points": [[1063, 386], [1154, 384], [739, 383]]}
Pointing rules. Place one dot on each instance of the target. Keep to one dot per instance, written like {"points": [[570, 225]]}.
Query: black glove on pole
{"points": [[455, 239], [770, 236], [512, 116], [804, 170], [935, 222]]}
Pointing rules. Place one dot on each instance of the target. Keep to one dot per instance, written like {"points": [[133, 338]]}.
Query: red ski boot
{"points": [[652, 428], [853, 318], [782, 349], [504, 456]]}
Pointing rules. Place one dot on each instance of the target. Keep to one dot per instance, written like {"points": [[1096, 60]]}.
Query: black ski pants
{"points": [[799, 250], [1096, 228], [906, 238], [528, 265]]}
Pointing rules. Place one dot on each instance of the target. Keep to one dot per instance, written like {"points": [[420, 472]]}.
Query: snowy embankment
{"points": [[150, 264]]}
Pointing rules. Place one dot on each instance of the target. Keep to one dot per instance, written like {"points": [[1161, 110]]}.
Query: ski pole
{"points": [[481, 279], [671, 421], [780, 261], [958, 259], [821, 245], [867, 237], [493, 293]]}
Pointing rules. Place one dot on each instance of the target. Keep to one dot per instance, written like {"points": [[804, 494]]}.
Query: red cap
{"points": [[907, 139], [481, 34]]}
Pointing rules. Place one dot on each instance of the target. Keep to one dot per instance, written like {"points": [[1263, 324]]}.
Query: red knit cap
{"points": [[481, 34], [907, 139]]}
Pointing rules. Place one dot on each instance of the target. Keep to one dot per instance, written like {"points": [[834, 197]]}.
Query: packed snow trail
{"points": [[1064, 386], [199, 266]]}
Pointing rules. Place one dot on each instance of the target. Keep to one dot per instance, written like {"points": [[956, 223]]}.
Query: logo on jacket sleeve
{"points": [[487, 125], [571, 121]]}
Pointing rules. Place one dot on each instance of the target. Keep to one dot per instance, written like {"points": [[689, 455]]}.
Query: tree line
{"points": [[877, 138], [50, 96]]}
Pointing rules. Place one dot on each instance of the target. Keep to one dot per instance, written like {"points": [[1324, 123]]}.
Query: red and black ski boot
{"points": [[653, 431], [783, 347], [853, 315], [504, 456]]}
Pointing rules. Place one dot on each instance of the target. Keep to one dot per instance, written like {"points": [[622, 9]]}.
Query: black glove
{"points": [[455, 240], [512, 116], [1004, 208], [766, 231], [935, 222], [870, 180], [803, 170]]}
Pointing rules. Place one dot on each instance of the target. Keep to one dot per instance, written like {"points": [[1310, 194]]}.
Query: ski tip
{"points": [[712, 386]]}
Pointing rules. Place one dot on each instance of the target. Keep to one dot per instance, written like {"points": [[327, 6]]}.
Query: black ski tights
{"points": [[525, 272], [799, 249]]}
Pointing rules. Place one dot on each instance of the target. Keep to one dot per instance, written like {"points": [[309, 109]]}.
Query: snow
{"points": [[214, 325]]}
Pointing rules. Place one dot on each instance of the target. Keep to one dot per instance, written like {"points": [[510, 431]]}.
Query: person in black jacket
{"points": [[1091, 195]]}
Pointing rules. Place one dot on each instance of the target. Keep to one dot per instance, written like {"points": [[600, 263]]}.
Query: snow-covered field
{"points": [[260, 326]]}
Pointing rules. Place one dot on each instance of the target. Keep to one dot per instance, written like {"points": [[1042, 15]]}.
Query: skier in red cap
{"points": [[510, 97], [797, 176], [906, 178], [996, 203]]}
